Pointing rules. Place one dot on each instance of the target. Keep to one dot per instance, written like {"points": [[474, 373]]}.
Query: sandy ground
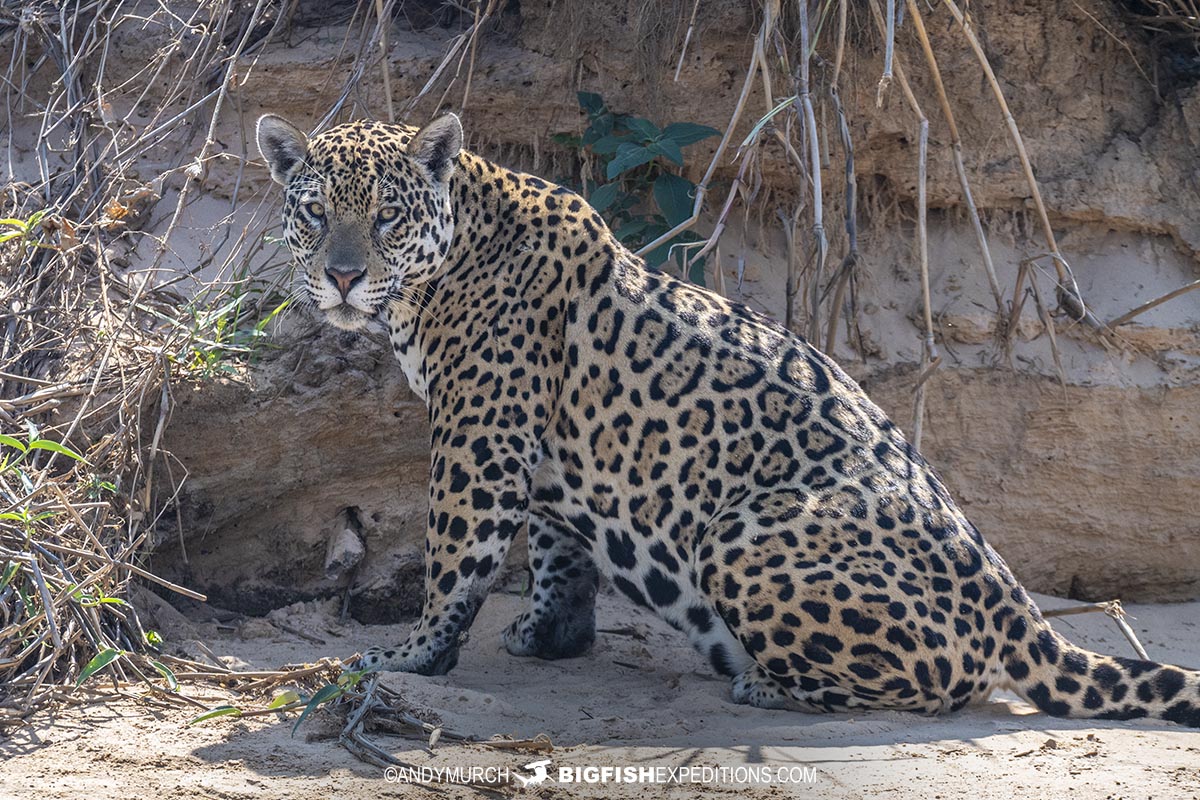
{"points": [[642, 698]]}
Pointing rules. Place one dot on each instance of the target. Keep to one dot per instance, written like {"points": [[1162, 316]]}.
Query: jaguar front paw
{"points": [[426, 661], [550, 637]]}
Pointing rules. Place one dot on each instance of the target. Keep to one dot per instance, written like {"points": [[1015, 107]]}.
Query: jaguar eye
{"points": [[388, 213], [316, 209]]}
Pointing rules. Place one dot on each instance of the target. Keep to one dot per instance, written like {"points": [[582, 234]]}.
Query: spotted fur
{"points": [[713, 466]]}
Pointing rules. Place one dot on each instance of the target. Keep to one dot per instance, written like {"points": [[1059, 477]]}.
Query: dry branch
{"points": [[1144, 307], [87, 351], [1068, 291], [804, 105], [929, 355], [1114, 611], [771, 8], [956, 150]]}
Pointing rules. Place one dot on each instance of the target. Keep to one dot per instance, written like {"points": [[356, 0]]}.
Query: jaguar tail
{"points": [[1065, 680]]}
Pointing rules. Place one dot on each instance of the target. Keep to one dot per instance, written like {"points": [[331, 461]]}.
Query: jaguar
{"points": [[712, 465]]}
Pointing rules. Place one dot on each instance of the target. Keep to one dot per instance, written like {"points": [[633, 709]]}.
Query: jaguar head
{"points": [[366, 212]]}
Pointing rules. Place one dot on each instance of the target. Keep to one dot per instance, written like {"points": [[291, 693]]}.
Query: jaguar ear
{"points": [[282, 144], [437, 145]]}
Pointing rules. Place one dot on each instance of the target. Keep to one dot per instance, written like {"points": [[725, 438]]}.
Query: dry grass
{"points": [[88, 349]]}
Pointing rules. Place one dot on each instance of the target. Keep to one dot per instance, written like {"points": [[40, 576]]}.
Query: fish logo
{"points": [[540, 775]]}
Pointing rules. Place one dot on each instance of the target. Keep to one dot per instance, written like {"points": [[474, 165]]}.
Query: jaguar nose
{"points": [[344, 279]]}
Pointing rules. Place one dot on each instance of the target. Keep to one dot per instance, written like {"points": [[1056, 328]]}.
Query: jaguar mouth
{"points": [[347, 317]]}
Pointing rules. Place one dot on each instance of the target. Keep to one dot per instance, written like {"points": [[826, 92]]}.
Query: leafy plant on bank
{"points": [[291, 700], [632, 185], [219, 334], [24, 231], [224, 334], [15, 481]]}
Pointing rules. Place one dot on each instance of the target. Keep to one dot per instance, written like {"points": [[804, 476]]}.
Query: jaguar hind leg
{"points": [[561, 620], [759, 688], [834, 615], [756, 687]]}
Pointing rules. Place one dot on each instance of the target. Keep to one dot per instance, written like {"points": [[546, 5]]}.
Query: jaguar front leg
{"points": [[478, 501], [561, 620]]}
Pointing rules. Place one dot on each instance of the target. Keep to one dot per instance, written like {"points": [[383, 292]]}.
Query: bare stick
{"points": [[914, 11], [705, 247], [47, 603], [928, 349], [770, 9], [686, 39], [889, 47], [473, 48], [1068, 291], [1144, 307], [850, 263], [804, 106], [1114, 610], [1048, 322], [383, 48], [840, 52]]}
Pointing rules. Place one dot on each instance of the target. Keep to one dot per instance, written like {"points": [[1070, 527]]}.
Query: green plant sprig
{"points": [[640, 197]]}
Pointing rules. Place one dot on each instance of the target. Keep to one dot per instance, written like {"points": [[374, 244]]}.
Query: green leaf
{"points": [[168, 675], [628, 157], [591, 102], [219, 711], [604, 195], [625, 202], [12, 515], [324, 694], [351, 678], [9, 572], [102, 660], [631, 229], [643, 128], [607, 145], [11, 442], [265, 321], [685, 133], [44, 444], [674, 196], [601, 126], [154, 638], [668, 149], [282, 699]]}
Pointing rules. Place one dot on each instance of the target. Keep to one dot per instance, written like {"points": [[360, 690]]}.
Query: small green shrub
{"points": [[24, 231], [17, 486], [633, 187], [223, 335]]}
